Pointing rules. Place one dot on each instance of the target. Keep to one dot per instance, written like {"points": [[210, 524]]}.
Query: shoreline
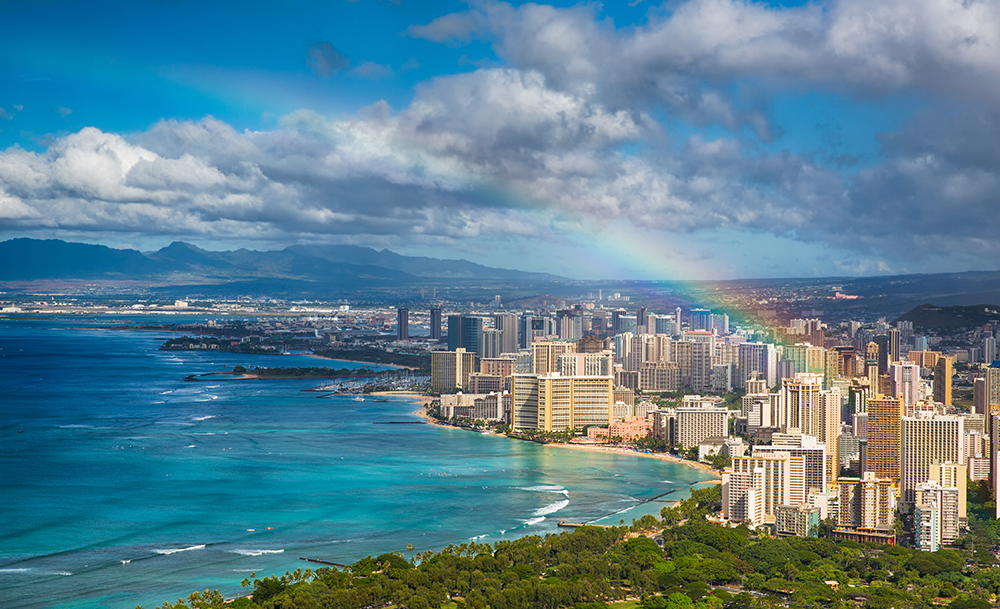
{"points": [[666, 457], [424, 400], [416, 398], [354, 361]]}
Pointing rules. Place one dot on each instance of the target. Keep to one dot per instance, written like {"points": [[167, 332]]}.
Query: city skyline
{"points": [[702, 139]]}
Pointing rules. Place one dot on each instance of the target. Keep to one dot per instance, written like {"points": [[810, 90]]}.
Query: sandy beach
{"points": [[423, 400], [713, 475]]}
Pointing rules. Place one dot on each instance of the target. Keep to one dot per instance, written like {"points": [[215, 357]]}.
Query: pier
{"points": [[325, 562], [576, 525]]}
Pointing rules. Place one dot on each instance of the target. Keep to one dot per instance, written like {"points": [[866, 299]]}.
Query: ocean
{"points": [[122, 485]]}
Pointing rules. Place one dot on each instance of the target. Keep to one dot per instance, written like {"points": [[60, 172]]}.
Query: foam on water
{"points": [[551, 508], [545, 489], [176, 550], [255, 552]]}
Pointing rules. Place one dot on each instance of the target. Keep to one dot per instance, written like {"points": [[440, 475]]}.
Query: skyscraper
{"points": [[451, 369], [871, 367], [552, 402], [884, 419], [894, 344], [507, 325], [616, 324], [699, 319], [435, 324], [883, 353], [464, 332], [759, 358], [402, 324], [992, 403], [905, 382], [926, 441], [942, 380]]}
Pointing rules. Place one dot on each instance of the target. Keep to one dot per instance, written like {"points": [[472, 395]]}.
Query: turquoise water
{"points": [[121, 484]]}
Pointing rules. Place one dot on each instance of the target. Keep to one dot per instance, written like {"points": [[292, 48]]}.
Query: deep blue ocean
{"points": [[121, 484]]}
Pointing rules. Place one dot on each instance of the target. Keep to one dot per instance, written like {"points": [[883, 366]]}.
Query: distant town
{"points": [[873, 430]]}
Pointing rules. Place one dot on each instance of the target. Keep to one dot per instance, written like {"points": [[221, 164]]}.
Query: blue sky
{"points": [[690, 139]]}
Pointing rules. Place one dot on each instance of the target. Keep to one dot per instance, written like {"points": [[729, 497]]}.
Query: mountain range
{"points": [[319, 267]]}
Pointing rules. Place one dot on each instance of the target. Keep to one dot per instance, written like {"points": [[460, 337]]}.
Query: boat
{"points": [[359, 399]]}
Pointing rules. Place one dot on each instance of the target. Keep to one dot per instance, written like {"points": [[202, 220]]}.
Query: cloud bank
{"points": [[573, 133]]}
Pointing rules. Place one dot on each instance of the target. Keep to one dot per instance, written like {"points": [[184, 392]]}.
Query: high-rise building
{"points": [[718, 323], [490, 343], [936, 520], [743, 493], [699, 319], [545, 355], [701, 366], [905, 382], [659, 376], [451, 369], [827, 430], [866, 503], [590, 344], [814, 460], [616, 321], [759, 358], [800, 520], [507, 325], [569, 325], [991, 397], [799, 400], [872, 368], [677, 321], [883, 353], [884, 417], [774, 485], [695, 424], [927, 439], [894, 336], [586, 364], [552, 402], [979, 396], [628, 323], [942, 380], [989, 349], [464, 332], [402, 324], [953, 475], [435, 324]]}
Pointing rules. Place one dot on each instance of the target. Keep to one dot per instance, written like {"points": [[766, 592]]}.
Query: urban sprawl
{"points": [[871, 431]]}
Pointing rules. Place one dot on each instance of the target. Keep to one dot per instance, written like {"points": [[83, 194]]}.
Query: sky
{"points": [[690, 139]]}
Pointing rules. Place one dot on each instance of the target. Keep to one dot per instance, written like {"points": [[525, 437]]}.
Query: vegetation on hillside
{"points": [[700, 565]]}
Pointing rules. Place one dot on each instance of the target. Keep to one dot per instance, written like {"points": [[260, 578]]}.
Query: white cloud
{"points": [[564, 138]]}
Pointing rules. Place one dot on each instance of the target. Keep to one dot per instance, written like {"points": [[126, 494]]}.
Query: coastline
{"points": [[707, 469], [424, 400], [354, 361], [417, 398]]}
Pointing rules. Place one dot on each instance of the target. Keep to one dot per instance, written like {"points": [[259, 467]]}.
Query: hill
{"points": [[933, 317], [319, 271]]}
